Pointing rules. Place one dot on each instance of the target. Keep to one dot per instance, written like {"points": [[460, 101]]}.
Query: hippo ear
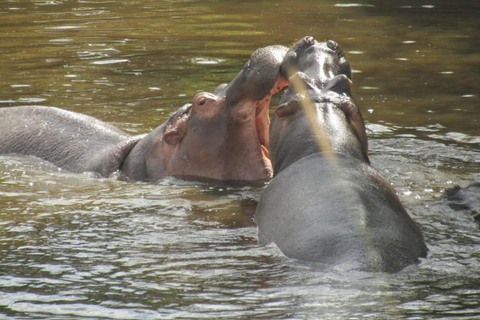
{"points": [[172, 137], [287, 108], [175, 132], [355, 119]]}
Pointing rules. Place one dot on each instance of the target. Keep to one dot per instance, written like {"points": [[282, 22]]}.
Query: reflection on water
{"points": [[74, 246]]}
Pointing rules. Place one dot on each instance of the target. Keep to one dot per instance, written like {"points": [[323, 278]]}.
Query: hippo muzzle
{"points": [[320, 61]]}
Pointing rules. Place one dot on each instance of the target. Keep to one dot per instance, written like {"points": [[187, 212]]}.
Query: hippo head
{"points": [[257, 82], [222, 135], [320, 61], [321, 82]]}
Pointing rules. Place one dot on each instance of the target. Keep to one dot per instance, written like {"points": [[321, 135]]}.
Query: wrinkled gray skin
{"points": [[220, 136], [335, 211], [72, 141]]}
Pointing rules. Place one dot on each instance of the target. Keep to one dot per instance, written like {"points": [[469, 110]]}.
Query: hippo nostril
{"points": [[309, 40], [332, 45]]}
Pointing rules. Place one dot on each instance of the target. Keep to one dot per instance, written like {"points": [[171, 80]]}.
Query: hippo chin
{"points": [[330, 206], [220, 136]]}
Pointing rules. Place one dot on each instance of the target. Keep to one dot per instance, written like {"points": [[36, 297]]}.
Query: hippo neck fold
{"points": [[298, 140], [134, 165], [111, 159]]}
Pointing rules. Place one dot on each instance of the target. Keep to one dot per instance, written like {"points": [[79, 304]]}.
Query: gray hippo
{"points": [[220, 136], [330, 206], [467, 199]]}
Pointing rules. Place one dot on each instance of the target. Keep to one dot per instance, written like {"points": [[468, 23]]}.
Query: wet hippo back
{"points": [[340, 214], [72, 141]]}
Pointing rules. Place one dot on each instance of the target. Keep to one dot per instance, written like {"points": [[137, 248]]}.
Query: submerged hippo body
{"points": [[330, 206], [467, 199], [219, 136], [72, 141]]}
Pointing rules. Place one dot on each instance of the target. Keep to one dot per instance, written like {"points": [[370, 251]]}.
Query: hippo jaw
{"points": [[249, 129], [225, 134], [206, 140], [246, 140], [251, 91], [262, 124], [262, 118]]}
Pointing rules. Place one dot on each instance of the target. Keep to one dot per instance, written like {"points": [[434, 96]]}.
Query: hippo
{"points": [[467, 199], [329, 206], [219, 136]]}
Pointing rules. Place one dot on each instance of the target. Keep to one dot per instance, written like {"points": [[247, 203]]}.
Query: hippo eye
{"points": [[202, 102]]}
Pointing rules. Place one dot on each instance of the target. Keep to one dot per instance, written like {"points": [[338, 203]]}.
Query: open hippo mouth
{"points": [[262, 118], [262, 123]]}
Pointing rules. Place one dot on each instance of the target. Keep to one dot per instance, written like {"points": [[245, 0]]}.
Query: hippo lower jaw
{"points": [[252, 136], [262, 123], [262, 118]]}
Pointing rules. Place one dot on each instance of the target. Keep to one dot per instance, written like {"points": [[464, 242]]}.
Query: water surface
{"points": [[76, 247]]}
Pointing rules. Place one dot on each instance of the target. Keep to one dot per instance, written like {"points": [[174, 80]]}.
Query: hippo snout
{"points": [[309, 41]]}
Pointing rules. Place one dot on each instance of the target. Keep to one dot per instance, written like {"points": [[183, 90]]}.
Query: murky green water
{"points": [[76, 247]]}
